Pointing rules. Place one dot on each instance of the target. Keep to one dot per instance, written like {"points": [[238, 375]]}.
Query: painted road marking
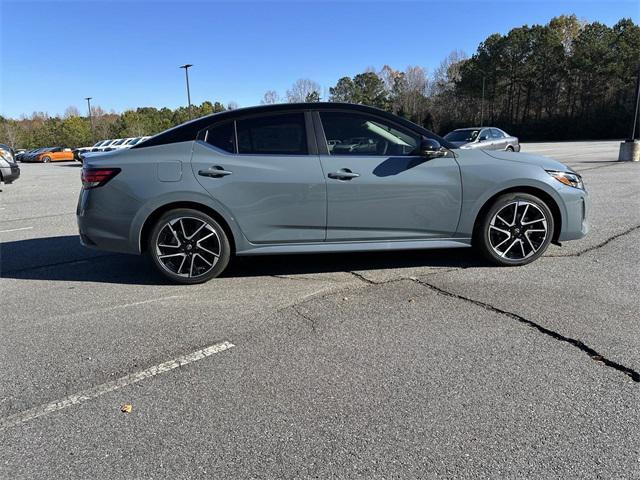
{"points": [[94, 392], [16, 229]]}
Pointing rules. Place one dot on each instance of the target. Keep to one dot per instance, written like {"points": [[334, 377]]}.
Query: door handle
{"points": [[343, 174], [215, 172]]}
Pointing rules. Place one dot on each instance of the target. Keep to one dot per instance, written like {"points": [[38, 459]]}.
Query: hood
{"points": [[544, 162], [458, 144]]}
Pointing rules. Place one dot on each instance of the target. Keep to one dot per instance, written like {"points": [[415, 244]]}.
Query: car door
{"points": [[266, 173], [485, 141], [378, 188]]}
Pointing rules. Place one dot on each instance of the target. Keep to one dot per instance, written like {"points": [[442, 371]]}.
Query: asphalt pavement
{"points": [[425, 364]]}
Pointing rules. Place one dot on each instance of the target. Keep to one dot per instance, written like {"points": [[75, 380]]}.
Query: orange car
{"points": [[54, 154]]}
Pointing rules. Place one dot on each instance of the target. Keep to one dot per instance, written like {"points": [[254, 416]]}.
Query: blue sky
{"points": [[126, 54]]}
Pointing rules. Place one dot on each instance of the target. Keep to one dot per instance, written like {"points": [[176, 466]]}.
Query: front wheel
{"points": [[46, 159], [188, 246], [516, 230], [510, 149]]}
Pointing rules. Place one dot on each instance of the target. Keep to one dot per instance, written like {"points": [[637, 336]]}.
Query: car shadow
{"points": [[64, 259]]}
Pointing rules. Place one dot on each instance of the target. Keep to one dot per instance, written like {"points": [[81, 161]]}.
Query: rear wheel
{"points": [[46, 159], [188, 246], [516, 230], [510, 148]]}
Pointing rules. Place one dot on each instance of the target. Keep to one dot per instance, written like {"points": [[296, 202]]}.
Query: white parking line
{"points": [[94, 392], [16, 229]]}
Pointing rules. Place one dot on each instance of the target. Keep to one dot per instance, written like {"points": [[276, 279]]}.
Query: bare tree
{"points": [[71, 111], [11, 133], [302, 89], [270, 97], [232, 105]]}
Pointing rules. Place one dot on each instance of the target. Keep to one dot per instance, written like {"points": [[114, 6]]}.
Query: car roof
{"points": [[188, 131]]}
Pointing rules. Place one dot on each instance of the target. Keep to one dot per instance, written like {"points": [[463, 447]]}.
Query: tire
{"points": [[196, 246], [46, 159], [520, 238], [510, 149]]}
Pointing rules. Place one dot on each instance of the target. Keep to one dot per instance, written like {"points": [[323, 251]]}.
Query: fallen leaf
{"points": [[126, 408]]}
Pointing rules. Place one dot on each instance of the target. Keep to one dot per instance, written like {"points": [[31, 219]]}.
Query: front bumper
{"points": [[575, 218], [10, 173]]}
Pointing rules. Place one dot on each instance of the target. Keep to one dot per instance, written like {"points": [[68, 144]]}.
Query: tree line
{"points": [[568, 79]]}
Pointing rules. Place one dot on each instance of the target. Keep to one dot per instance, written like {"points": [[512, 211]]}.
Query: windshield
{"points": [[462, 135]]}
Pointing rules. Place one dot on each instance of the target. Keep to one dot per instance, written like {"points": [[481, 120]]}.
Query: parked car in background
{"points": [[263, 180], [486, 138], [9, 169], [29, 155], [48, 154]]}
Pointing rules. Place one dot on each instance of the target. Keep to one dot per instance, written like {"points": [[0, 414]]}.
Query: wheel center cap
{"points": [[516, 231], [189, 247]]}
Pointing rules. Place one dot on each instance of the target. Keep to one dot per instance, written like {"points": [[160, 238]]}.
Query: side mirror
{"points": [[431, 148]]}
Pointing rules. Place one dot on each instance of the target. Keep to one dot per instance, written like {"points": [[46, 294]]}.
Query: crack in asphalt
{"points": [[579, 344], [599, 245]]}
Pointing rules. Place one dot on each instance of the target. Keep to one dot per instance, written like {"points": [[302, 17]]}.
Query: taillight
{"points": [[96, 177]]}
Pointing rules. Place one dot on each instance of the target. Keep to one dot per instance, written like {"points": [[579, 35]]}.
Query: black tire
{"points": [[510, 149], [46, 159], [524, 237], [173, 238]]}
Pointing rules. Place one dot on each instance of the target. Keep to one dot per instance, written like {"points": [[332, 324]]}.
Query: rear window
{"points": [[283, 134]]}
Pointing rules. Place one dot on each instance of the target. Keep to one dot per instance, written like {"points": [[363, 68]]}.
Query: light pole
{"points": [[482, 103], [630, 149], [88, 99], [635, 114], [186, 73]]}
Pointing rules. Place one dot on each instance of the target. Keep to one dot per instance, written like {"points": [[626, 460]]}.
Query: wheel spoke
{"points": [[522, 248], [504, 221], [208, 251], [506, 232], [171, 255], [196, 232], [503, 242], [204, 259], [533, 221], [509, 248], [515, 213]]}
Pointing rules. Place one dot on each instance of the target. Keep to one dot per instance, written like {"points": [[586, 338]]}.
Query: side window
{"points": [[358, 134], [485, 135], [283, 134], [221, 136], [495, 133]]}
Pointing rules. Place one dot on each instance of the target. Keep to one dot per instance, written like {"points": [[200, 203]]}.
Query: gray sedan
{"points": [[486, 138], [320, 177]]}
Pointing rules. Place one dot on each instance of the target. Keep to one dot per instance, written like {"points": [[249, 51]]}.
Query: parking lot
{"points": [[386, 365]]}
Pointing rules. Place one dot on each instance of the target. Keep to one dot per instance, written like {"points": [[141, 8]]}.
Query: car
{"points": [[53, 154], [262, 180], [486, 138], [31, 154], [9, 169]]}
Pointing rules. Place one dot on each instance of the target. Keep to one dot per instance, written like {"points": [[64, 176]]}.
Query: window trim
{"points": [[321, 138]]}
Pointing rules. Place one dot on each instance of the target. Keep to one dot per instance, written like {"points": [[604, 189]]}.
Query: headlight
{"points": [[6, 155], [571, 179]]}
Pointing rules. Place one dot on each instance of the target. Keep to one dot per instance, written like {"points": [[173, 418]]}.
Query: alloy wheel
{"points": [[188, 247], [518, 230]]}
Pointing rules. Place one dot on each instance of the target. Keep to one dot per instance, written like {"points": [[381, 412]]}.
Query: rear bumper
{"points": [[101, 229], [10, 173]]}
